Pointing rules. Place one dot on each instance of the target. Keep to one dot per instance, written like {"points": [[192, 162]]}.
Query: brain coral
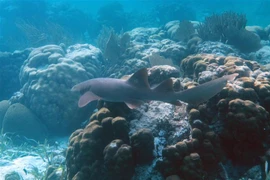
{"points": [[4, 105], [47, 77], [20, 120]]}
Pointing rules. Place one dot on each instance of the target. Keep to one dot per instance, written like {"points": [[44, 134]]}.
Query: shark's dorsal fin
{"points": [[164, 86], [139, 79]]}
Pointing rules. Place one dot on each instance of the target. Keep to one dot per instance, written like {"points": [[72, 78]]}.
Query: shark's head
{"points": [[82, 87], [75, 88]]}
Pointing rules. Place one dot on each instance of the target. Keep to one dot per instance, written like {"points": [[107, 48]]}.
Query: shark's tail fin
{"points": [[205, 91]]}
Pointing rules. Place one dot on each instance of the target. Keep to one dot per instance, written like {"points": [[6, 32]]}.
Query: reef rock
{"points": [[217, 48], [147, 41], [262, 56], [167, 123]]}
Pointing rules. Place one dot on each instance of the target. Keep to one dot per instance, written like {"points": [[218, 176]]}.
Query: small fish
{"points": [[25, 171], [136, 90]]}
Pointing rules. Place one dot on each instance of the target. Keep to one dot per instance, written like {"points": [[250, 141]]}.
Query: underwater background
{"points": [[33, 23], [48, 46]]}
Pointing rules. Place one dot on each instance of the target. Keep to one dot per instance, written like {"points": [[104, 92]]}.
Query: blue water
{"points": [[39, 78], [83, 19]]}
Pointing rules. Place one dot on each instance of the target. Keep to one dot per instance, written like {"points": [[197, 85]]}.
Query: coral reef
{"points": [[146, 47], [167, 48], [142, 143], [246, 127], [47, 76], [103, 146], [241, 109], [262, 56], [85, 147], [217, 48], [229, 27], [261, 32], [115, 47], [218, 27], [218, 130], [118, 160], [195, 66], [194, 158], [179, 31], [145, 41], [156, 140]]}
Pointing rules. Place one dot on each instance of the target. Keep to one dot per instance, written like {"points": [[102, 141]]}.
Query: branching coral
{"points": [[229, 27], [217, 27]]}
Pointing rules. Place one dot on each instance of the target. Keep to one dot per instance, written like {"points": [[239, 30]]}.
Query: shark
{"points": [[136, 90]]}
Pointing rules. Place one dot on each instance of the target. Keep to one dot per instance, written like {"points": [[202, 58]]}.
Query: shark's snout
{"points": [[74, 88]]}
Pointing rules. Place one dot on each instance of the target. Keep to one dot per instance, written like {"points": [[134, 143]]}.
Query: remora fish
{"points": [[136, 90]]}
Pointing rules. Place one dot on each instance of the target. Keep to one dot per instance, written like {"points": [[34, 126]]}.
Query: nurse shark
{"points": [[136, 90]]}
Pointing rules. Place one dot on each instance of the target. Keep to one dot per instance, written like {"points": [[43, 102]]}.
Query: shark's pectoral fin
{"points": [[133, 104], [177, 103], [86, 98]]}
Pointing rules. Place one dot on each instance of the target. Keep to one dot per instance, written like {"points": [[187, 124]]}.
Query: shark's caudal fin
{"points": [[205, 91], [139, 79]]}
